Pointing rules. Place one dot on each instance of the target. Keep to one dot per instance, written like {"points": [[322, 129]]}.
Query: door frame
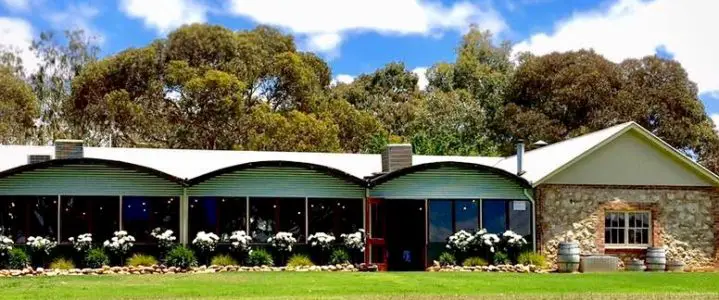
{"points": [[376, 237]]}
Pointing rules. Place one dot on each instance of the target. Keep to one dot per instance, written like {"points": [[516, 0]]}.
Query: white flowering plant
{"points": [[321, 240], [6, 245], [282, 241], [164, 237], [240, 241], [488, 241], [82, 243], [513, 240], [40, 244], [461, 241], [205, 241], [120, 243], [355, 240]]}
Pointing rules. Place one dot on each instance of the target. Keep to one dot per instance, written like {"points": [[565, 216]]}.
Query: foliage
{"points": [[299, 260], [532, 258], [17, 259], [259, 257], [180, 257], [6, 245], [223, 260], [82, 243], [447, 259], [460, 241], [120, 244], [321, 240], [355, 240], [282, 241], [240, 241], [165, 238], [96, 258], [62, 264], [474, 261], [205, 241], [40, 245], [500, 258], [339, 256], [19, 108], [139, 259]]}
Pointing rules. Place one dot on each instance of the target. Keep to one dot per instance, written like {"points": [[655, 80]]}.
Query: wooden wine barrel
{"points": [[568, 257], [635, 265], [656, 259]]}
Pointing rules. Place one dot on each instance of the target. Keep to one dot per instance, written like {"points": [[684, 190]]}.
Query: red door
{"points": [[376, 248]]}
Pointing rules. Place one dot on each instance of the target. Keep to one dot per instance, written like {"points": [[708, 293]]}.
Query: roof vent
{"points": [[65, 149], [520, 157], [396, 156], [36, 158]]}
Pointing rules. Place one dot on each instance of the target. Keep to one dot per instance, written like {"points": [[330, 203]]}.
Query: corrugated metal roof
{"points": [[538, 164]]}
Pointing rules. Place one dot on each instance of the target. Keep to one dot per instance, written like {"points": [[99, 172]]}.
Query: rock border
{"points": [[489, 269]]}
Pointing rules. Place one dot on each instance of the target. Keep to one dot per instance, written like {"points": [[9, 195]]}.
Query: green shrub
{"points": [[181, 257], [62, 264], [299, 260], [339, 256], [447, 259], [96, 258], [259, 257], [532, 258], [474, 262], [17, 259], [501, 258], [140, 259], [223, 260]]}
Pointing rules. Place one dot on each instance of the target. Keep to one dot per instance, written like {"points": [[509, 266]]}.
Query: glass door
{"points": [[376, 248]]}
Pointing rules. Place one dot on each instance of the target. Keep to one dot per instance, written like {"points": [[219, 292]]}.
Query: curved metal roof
{"points": [[434, 165]]}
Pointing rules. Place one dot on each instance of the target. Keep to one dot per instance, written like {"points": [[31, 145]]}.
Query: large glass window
{"points": [[263, 213], [627, 228], [140, 215], [466, 215], [336, 216], [494, 215], [89, 214], [25, 216], [221, 215], [440, 220], [520, 217], [292, 217]]}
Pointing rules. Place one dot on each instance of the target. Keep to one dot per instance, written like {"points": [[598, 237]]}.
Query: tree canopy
{"points": [[209, 87]]}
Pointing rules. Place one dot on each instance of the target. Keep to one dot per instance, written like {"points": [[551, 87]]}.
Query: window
{"points": [[292, 217], [140, 215], [262, 218], [440, 220], [89, 214], [336, 216], [466, 215], [494, 215], [25, 216], [626, 228], [270, 215], [520, 216], [221, 215]]}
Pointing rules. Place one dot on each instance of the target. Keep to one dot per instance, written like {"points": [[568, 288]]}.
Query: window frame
{"points": [[626, 227]]}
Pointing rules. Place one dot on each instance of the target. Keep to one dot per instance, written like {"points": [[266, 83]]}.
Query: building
{"points": [[617, 191]]}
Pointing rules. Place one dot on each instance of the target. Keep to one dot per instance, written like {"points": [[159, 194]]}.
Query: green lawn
{"points": [[367, 285]]}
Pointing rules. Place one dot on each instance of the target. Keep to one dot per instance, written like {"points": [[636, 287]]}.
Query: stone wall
{"points": [[684, 220]]}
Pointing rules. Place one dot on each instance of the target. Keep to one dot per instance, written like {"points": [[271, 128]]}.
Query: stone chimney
{"points": [[396, 156], [65, 149]]}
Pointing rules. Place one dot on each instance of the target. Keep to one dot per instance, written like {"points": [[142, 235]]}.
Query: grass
{"points": [[367, 285]]}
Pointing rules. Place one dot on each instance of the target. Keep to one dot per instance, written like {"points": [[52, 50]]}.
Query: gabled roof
{"points": [[543, 163]]}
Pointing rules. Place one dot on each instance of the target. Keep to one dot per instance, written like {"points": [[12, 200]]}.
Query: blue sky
{"points": [[358, 36]]}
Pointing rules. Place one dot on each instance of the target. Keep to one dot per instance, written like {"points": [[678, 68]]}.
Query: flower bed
{"points": [[497, 268], [161, 269]]}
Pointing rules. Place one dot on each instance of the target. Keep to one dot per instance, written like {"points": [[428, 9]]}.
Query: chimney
{"points": [[65, 149], [396, 156], [36, 158], [520, 157]]}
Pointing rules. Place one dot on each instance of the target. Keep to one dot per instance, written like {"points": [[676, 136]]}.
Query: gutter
{"points": [[534, 219]]}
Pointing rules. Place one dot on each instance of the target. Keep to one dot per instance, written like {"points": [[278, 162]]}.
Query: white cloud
{"points": [[421, 73], [17, 35], [324, 42], [17, 5], [342, 78], [326, 22], [165, 15], [77, 17], [715, 118], [634, 28]]}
